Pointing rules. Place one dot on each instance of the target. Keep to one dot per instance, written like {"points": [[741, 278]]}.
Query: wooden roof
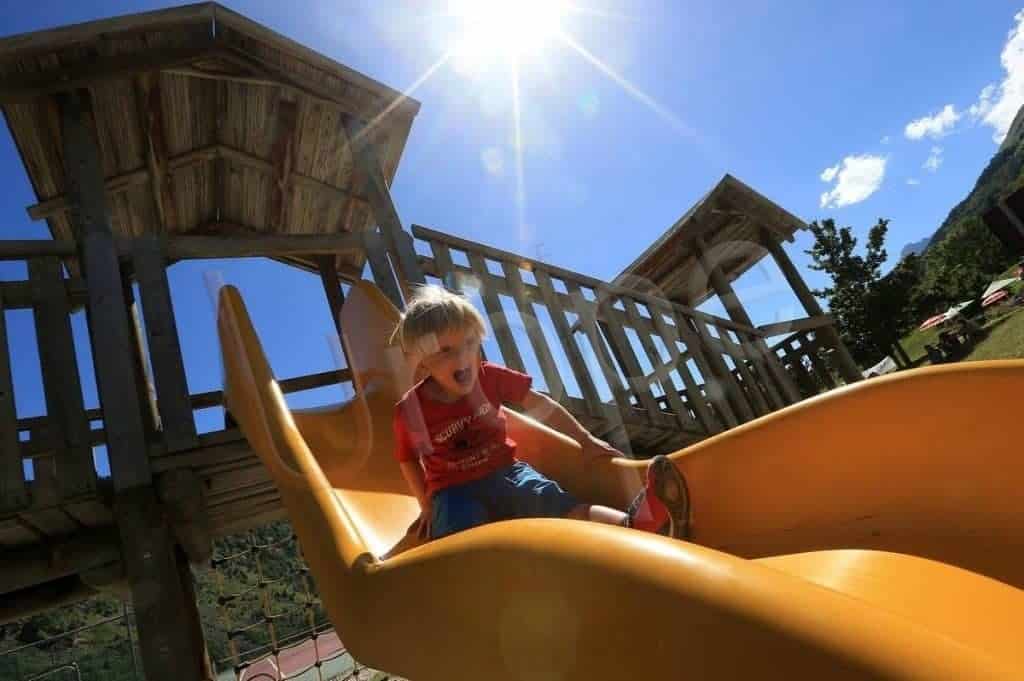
{"points": [[207, 123], [729, 219]]}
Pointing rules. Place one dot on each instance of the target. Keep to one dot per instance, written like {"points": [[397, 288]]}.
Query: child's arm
{"points": [[412, 471], [552, 414]]}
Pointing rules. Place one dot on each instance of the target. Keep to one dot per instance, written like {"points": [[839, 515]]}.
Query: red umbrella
{"points": [[995, 298], [933, 321]]}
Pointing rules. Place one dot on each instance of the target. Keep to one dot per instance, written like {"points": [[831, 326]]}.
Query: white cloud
{"points": [[934, 160], [913, 182], [858, 178], [935, 126], [829, 174], [998, 104], [980, 109]]}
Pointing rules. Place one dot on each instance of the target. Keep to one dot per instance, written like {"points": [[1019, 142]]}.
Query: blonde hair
{"points": [[431, 311]]}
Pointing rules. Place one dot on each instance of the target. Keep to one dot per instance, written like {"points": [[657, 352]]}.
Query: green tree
{"points": [[872, 311], [961, 265]]}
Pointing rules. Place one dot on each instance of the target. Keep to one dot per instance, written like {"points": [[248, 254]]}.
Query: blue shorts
{"points": [[518, 491]]}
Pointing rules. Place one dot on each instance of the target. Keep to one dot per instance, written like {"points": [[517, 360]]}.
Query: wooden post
{"points": [[175, 408], [169, 634], [335, 296], [378, 194], [13, 489], [847, 366], [533, 330], [738, 313], [65, 410], [380, 267], [572, 351], [496, 315]]}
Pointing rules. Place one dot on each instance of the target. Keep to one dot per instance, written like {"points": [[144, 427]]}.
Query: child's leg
{"points": [[455, 509], [663, 506], [599, 514]]}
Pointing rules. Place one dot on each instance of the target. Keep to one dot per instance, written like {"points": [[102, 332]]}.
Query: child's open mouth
{"points": [[463, 376]]}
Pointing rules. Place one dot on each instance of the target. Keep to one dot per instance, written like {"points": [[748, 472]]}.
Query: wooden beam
{"points": [[385, 214], [496, 315], [21, 87], [759, 353], [178, 428], [270, 245], [587, 312], [794, 325], [380, 267], [13, 488], [847, 366], [36, 248], [281, 161], [167, 633], [76, 475], [213, 153], [151, 118]]}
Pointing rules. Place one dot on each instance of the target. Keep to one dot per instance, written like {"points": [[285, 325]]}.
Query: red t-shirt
{"points": [[461, 441]]}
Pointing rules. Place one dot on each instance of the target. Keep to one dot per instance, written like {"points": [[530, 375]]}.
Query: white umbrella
{"points": [[996, 286]]}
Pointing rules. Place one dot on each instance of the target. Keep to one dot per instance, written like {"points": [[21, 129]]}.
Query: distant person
{"points": [[934, 355], [453, 448]]}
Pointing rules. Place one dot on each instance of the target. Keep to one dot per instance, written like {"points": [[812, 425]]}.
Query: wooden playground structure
{"points": [[195, 133]]}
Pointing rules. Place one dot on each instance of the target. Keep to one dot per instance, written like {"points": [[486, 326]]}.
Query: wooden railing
{"points": [[808, 358], [641, 368], [59, 444]]}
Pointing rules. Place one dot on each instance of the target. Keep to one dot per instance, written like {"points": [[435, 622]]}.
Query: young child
{"points": [[452, 445]]}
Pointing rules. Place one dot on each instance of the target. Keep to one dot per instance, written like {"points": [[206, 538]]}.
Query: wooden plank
{"points": [[722, 373], [176, 419], [271, 245], [569, 346], [681, 331], [794, 325], [13, 488], [444, 267], [332, 288], [149, 97], [76, 475], [37, 42], [674, 401], [740, 358], [282, 159], [623, 352], [108, 319], [97, 70], [587, 314], [22, 249], [496, 314], [534, 332], [380, 267]]}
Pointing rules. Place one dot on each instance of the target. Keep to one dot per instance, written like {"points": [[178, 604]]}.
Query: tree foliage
{"points": [[961, 265], [872, 311]]}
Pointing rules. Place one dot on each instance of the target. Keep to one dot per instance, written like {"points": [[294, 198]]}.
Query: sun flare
{"points": [[505, 30]]}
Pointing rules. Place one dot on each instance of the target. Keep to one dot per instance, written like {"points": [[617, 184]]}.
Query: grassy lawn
{"points": [[1005, 338]]}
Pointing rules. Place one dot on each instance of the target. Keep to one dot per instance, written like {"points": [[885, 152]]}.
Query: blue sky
{"points": [[779, 94]]}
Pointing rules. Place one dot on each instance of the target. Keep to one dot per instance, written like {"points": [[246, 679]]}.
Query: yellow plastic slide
{"points": [[923, 463]]}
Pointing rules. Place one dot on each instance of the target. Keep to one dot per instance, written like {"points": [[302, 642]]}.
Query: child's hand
{"points": [[596, 448], [423, 523]]}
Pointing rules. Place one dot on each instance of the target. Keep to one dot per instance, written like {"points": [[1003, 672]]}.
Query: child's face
{"points": [[454, 363]]}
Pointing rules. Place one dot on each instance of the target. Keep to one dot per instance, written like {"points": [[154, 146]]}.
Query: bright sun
{"points": [[511, 30]]}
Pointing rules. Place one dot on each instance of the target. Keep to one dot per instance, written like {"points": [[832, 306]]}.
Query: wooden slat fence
{"points": [[644, 372]]}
